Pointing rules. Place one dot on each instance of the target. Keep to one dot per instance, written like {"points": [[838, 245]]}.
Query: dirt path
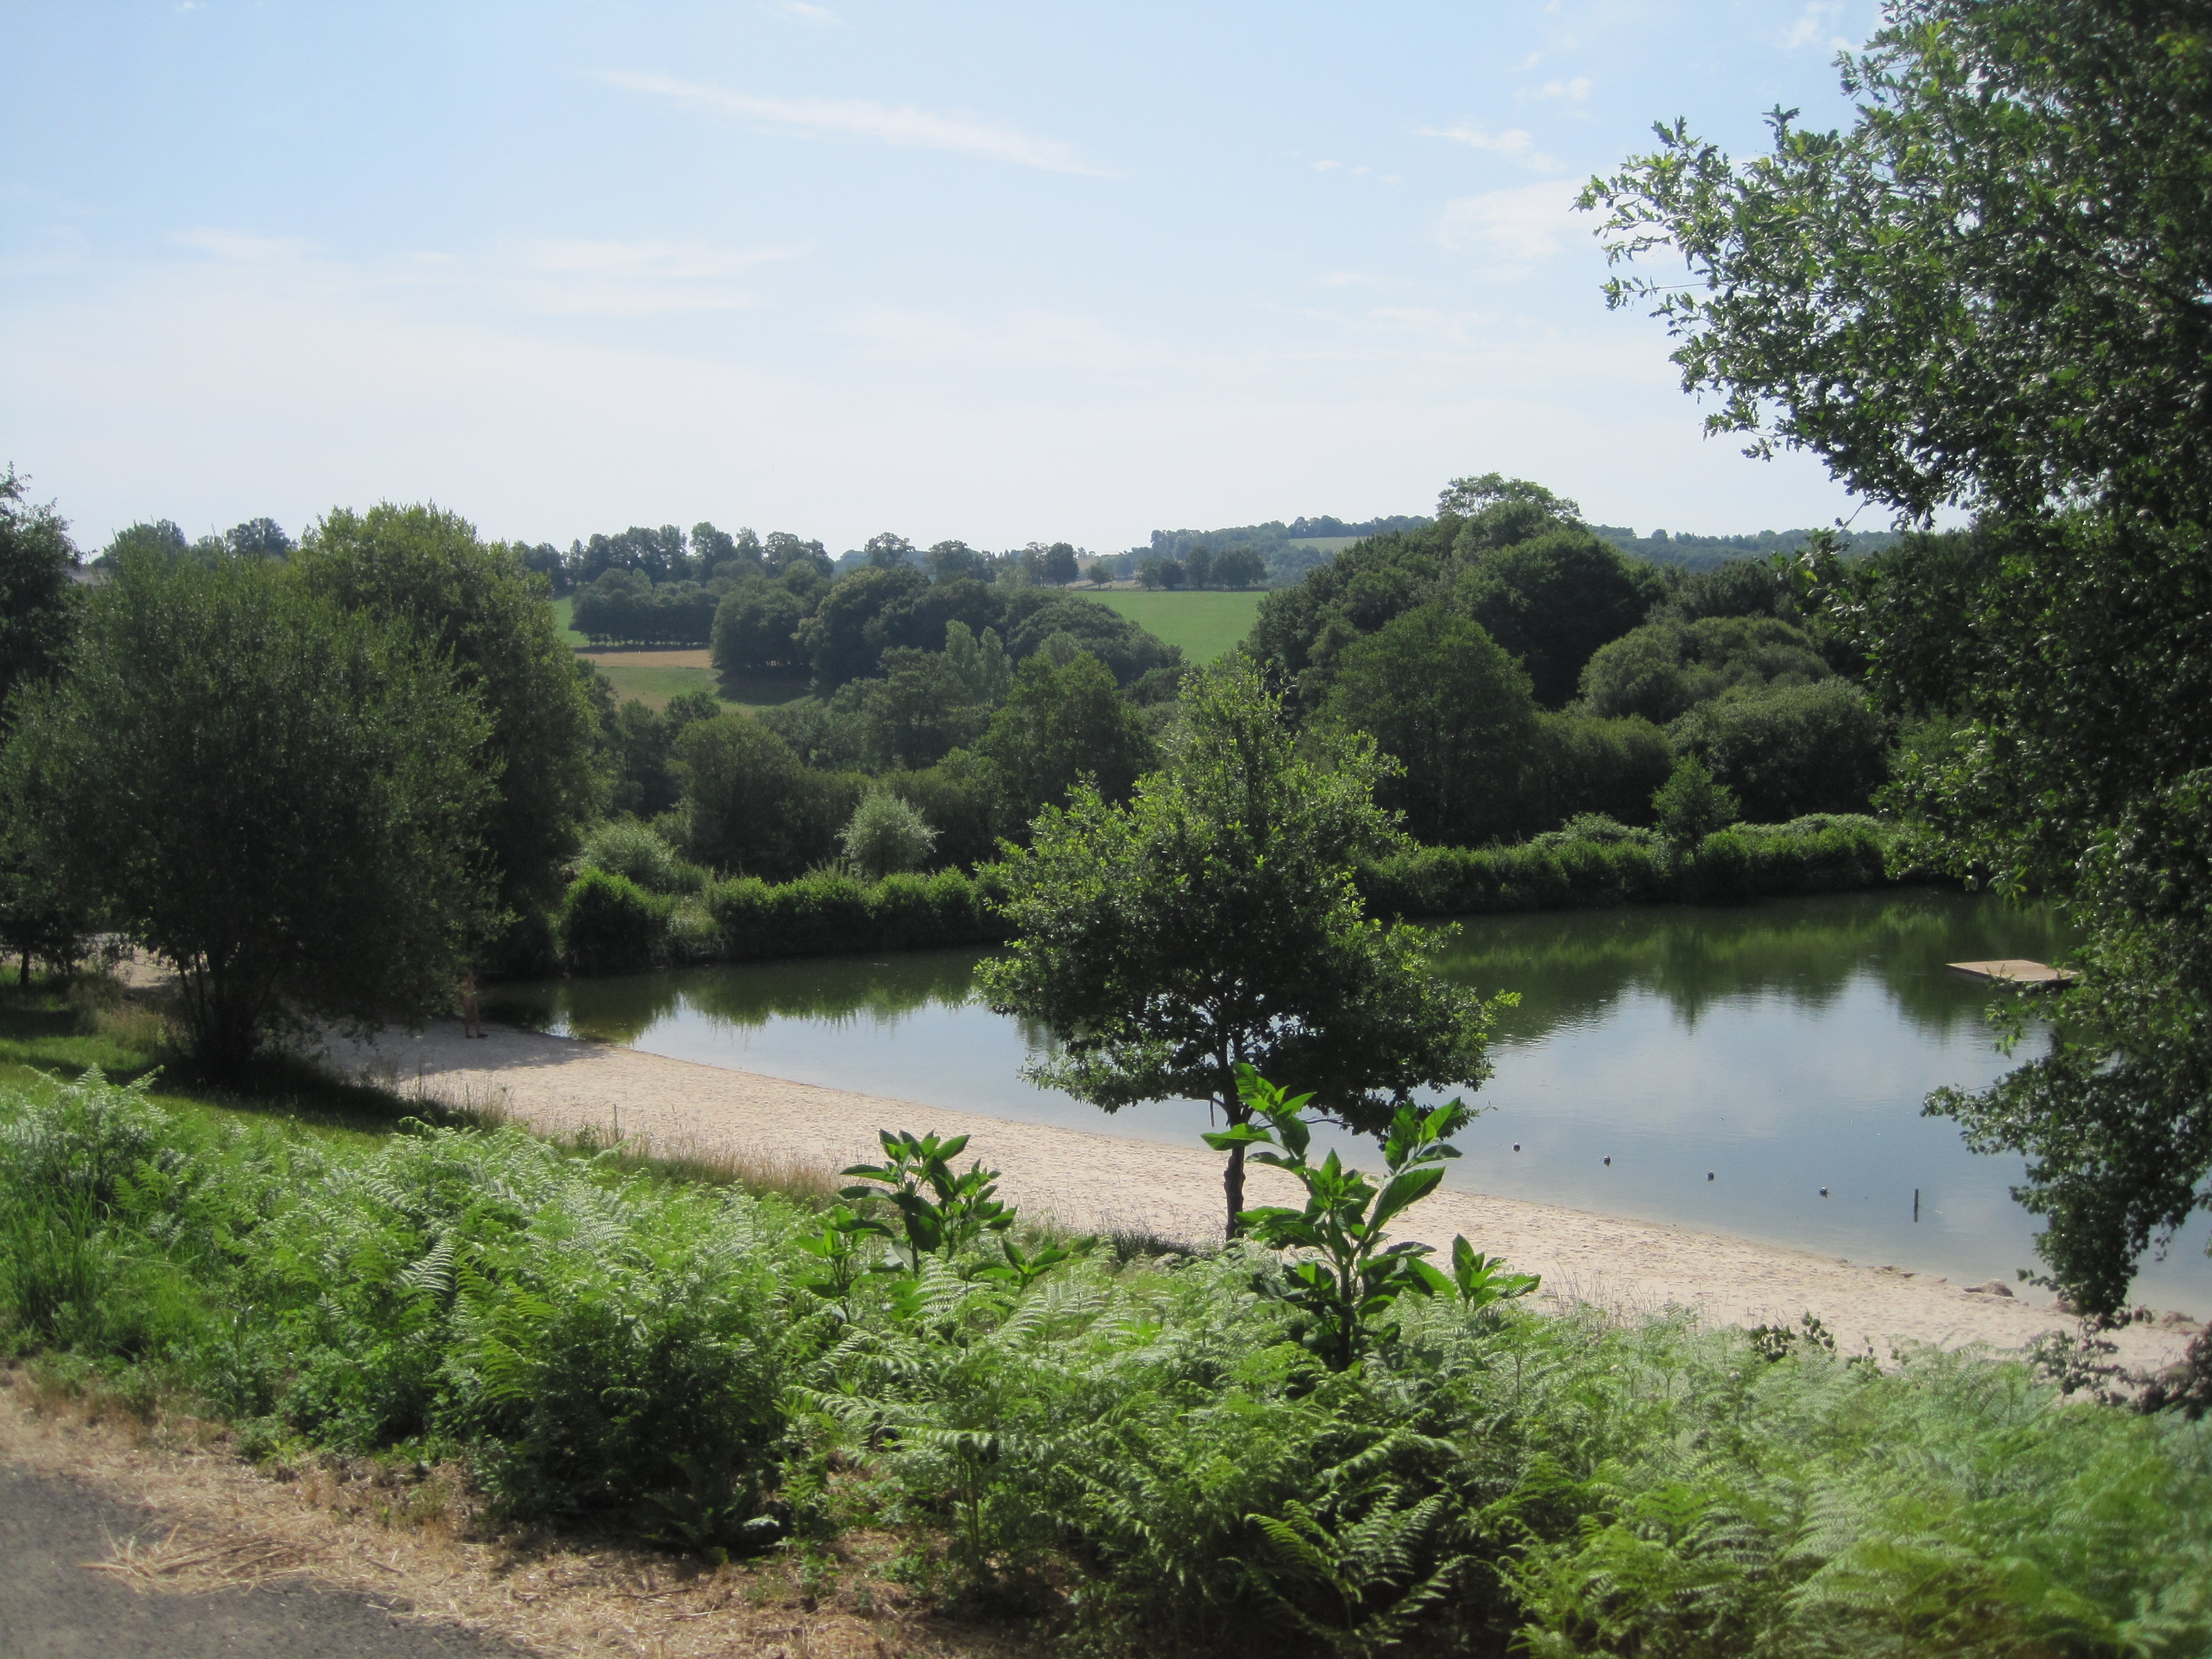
{"points": [[62, 1595], [1098, 1180]]}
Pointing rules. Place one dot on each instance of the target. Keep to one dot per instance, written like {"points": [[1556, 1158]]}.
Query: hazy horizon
{"points": [[990, 272]]}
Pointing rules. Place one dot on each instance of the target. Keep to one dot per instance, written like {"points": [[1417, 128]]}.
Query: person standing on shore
{"points": [[471, 1017]]}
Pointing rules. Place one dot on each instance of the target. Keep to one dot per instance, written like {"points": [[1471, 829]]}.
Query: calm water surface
{"points": [[1784, 1046]]}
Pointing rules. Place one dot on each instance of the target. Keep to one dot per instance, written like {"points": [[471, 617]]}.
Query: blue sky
{"points": [[1003, 272]]}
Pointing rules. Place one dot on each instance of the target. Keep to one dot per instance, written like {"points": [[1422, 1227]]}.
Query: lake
{"points": [[1781, 1047]]}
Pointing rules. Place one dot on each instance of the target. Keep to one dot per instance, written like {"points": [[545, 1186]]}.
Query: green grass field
{"points": [[653, 684], [562, 608], [1206, 625], [637, 674]]}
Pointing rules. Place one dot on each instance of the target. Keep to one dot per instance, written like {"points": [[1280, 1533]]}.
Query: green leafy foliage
{"points": [[1988, 291], [886, 836], [1344, 1280], [1149, 1439], [940, 1212], [609, 924], [426, 574], [1516, 561], [35, 598], [1693, 804], [1444, 700], [1213, 921], [1789, 750], [755, 808], [1667, 667], [283, 797]]}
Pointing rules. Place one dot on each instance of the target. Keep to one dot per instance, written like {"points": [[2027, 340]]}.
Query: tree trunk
{"points": [[1232, 1179]]}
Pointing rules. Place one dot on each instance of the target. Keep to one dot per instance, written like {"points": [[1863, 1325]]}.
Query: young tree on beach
{"points": [[1211, 922]]}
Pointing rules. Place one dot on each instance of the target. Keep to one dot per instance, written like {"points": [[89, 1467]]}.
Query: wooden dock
{"points": [[2014, 970]]}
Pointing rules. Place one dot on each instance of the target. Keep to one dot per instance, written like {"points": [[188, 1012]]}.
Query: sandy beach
{"points": [[1091, 1181]]}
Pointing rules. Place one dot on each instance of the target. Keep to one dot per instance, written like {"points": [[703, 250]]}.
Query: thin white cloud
{"points": [[1574, 91], [1514, 143], [800, 11], [1358, 279], [1518, 227], [863, 119]]}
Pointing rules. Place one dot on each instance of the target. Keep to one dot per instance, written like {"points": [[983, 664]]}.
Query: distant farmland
{"points": [[654, 674], [1205, 624]]}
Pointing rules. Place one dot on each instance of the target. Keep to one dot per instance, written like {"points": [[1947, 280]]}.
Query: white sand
{"points": [[1103, 1181]]}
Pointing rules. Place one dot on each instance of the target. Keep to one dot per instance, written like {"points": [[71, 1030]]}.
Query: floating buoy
{"points": [[1608, 1163], [1709, 1174], [1824, 1191], [1517, 1146]]}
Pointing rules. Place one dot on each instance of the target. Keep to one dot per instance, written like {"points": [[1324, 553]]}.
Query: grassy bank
{"points": [[611, 925], [1206, 624], [1122, 1456]]}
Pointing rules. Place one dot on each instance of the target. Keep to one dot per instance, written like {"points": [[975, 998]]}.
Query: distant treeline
{"points": [[1277, 543], [1704, 552]]}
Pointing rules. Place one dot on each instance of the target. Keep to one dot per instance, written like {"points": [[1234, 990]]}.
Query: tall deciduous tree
{"points": [[1061, 725], [283, 797], [1990, 290], [40, 917], [1213, 922], [426, 572], [35, 559], [758, 809], [1443, 699]]}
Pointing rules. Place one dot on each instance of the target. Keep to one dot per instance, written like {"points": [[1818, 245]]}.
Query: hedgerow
{"points": [[1594, 862], [1143, 1455]]}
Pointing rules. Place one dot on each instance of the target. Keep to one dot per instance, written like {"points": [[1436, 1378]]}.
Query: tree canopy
{"points": [[1540, 584], [1990, 290], [283, 797], [1061, 725], [35, 601], [425, 571], [1443, 700]]}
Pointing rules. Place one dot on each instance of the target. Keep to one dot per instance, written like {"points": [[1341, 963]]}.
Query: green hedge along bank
{"points": [[613, 922]]}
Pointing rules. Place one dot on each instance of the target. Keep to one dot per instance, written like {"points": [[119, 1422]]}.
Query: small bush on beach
{"points": [[1140, 1452]]}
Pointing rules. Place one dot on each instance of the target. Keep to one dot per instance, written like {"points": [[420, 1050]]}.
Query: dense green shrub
{"points": [[1153, 1439], [286, 800], [608, 924], [1443, 700], [826, 912], [1790, 750], [638, 852], [886, 835], [1809, 855], [757, 809], [1669, 666], [1581, 764]]}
